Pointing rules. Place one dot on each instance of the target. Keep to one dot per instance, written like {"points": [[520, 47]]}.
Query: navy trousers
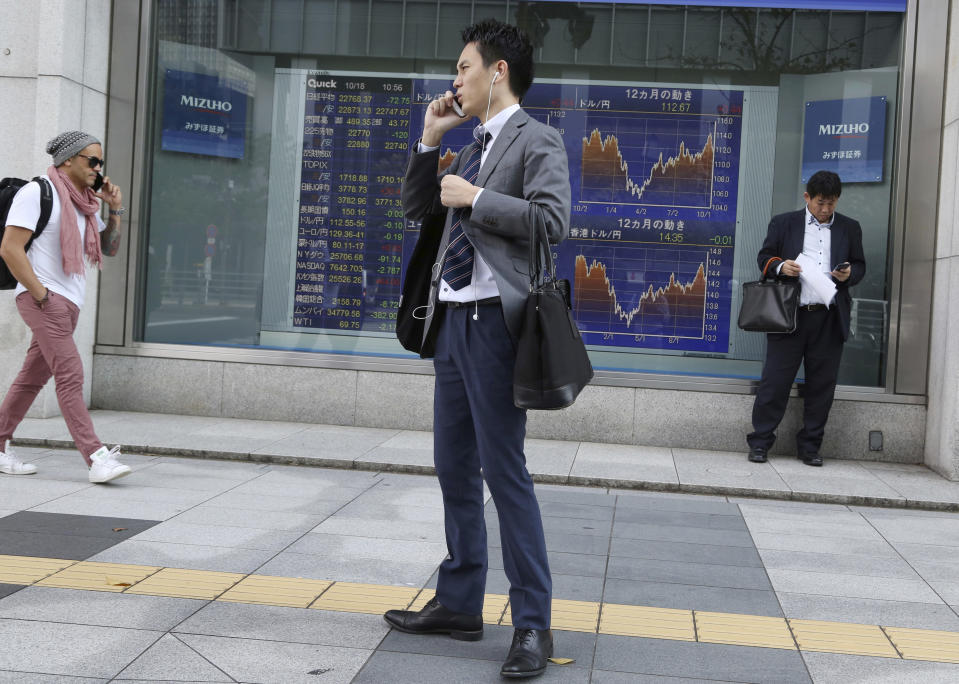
{"points": [[478, 433], [817, 342]]}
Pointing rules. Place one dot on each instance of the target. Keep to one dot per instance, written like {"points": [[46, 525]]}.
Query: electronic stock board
{"points": [[654, 174]]}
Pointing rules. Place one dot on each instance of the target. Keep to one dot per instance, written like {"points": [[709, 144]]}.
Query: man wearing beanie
{"points": [[51, 280]]}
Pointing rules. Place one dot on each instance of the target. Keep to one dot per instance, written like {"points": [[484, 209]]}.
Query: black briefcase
{"points": [[552, 365], [769, 304], [414, 299]]}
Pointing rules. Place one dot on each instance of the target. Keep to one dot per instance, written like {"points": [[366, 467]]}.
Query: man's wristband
{"points": [[118, 212], [45, 298]]}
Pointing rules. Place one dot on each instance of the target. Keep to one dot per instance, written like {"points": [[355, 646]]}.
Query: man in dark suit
{"points": [[828, 241], [514, 173]]}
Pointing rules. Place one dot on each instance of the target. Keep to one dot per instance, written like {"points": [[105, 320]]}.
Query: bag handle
{"points": [[766, 267], [541, 266]]}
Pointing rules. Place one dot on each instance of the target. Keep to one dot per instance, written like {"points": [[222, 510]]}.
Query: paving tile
{"points": [[77, 650], [558, 525], [858, 529], [493, 647], [25, 493], [948, 590], [690, 597], [169, 659], [685, 552], [570, 587], [698, 574], [286, 521], [678, 533], [583, 564], [251, 660], [329, 443], [570, 543], [415, 668], [915, 530], [134, 492], [369, 548], [232, 436], [931, 570], [83, 504], [928, 553], [383, 570], [726, 469], [720, 662], [188, 556], [846, 478], [42, 545], [918, 483], [852, 586], [585, 496], [812, 562], [606, 677], [325, 504], [615, 463], [342, 525], [13, 677], [175, 532], [7, 589], [837, 668], [668, 501], [550, 458], [559, 509], [808, 543], [115, 529], [782, 504], [869, 611], [131, 611], [292, 625], [680, 518]]}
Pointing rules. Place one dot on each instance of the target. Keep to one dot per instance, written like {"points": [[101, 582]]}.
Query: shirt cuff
{"points": [[476, 198], [426, 148]]}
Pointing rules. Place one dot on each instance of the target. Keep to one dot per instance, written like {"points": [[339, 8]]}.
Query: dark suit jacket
{"points": [[784, 239], [525, 172]]}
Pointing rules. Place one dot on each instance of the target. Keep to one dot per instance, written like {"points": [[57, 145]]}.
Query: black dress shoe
{"points": [[435, 619], [757, 455], [528, 654], [811, 459]]}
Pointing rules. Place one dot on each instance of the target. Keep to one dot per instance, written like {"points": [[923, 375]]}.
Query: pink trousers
{"points": [[52, 352]]}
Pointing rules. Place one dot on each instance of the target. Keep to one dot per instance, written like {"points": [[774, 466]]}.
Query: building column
{"points": [[942, 418], [54, 63]]}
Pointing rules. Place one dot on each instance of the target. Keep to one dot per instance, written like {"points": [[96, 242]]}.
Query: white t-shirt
{"points": [[45, 254]]}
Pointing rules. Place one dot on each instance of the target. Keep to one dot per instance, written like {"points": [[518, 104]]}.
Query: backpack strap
{"points": [[46, 204]]}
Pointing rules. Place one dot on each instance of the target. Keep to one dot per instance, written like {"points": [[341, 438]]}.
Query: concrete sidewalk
{"points": [[587, 464]]}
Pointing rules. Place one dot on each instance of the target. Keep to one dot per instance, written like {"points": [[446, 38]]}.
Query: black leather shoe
{"points": [[811, 459], [757, 455], [435, 619], [528, 654]]}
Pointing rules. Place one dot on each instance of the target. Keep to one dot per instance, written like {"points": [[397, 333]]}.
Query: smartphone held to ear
{"points": [[98, 182]]}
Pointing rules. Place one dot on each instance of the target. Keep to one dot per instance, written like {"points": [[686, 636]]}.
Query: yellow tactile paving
{"points": [[925, 644], [575, 616], [293, 592], [643, 621], [842, 637], [194, 584], [114, 577], [27, 570], [349, 597], [617, 619], [743, 630]]}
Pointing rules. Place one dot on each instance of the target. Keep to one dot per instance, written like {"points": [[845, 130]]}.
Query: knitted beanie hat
{"points": [[69, 144]]}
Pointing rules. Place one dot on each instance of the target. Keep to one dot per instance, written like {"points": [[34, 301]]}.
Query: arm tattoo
{"points": [[110, 237]]}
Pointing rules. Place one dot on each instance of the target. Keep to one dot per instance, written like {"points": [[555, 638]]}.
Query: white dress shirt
{"points": [[817, 245], [483, 284]]}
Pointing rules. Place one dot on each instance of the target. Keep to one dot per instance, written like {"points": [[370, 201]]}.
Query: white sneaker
{"points": [[105, 465], [11, 465]]}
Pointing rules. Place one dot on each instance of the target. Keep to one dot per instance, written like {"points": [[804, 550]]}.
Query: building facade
{"points": [[262, 144]]}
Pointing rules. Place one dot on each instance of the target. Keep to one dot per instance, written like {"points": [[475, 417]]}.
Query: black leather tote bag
{"points": [[552, 365], [416, 286], [770, 304]]}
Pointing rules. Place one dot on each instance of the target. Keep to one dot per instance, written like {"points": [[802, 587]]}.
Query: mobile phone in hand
{"points": [[842, 267], [98, 182], [458, 109]]}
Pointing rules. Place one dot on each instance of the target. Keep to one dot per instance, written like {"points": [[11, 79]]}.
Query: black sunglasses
{"points": [[94, 161]]}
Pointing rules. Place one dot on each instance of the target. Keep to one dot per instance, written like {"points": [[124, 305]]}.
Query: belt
{"points": [[477, 302], [814, 307]]}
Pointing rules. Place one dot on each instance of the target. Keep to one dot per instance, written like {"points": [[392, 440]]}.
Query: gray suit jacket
{"points": [[525, 171]]}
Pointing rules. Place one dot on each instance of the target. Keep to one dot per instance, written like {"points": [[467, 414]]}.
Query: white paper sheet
{"points": [[817, 285]]}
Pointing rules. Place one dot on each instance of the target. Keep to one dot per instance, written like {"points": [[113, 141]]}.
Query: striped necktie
{"points": [[458, 266]]}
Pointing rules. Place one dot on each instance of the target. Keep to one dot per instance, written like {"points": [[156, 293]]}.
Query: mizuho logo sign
{"points": [[206, 103], [844, 128]]}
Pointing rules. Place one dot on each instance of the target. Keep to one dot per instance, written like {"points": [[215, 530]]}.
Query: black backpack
{"points": [[8, 188]]}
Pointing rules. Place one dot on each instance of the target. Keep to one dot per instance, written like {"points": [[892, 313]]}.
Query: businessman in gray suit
{"points": [[513, 173]]}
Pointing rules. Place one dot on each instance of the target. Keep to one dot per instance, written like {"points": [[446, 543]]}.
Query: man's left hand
{"points": [[111, 194], [843, 275], [457, 192]]}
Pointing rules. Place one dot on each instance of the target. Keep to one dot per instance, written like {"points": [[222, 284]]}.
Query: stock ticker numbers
{"points": [[350, 237], [654, 175]]}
